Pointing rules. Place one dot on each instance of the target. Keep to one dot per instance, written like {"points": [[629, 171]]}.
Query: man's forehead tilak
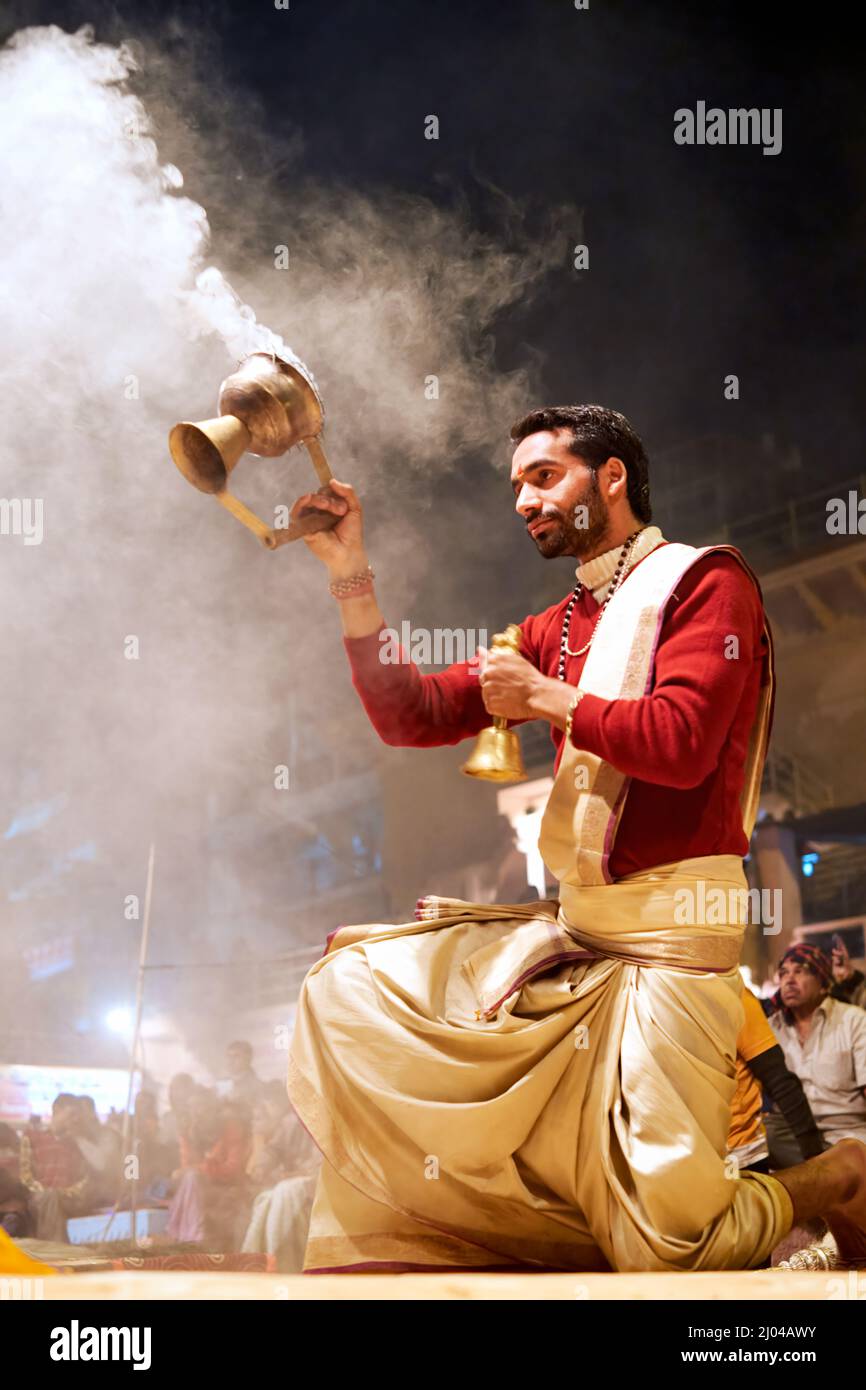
{"points": [[519, 474]]}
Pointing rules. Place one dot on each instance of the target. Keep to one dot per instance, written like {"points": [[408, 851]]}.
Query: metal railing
{"points": [[804, 791], [792, 530], [837, 887]]}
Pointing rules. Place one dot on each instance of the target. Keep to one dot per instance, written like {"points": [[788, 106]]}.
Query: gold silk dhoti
{"points": [[550, 1084], [580, 1125]]}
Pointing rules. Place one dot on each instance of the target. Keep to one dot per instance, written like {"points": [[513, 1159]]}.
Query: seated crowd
{"points": [[235, 1171]]}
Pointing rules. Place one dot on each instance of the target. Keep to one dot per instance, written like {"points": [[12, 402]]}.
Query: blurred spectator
{"points": [[15, 1217], [100, 1147], [824, 1043], [9, 1150], [226, 1159], [200, 1129], [289, 1159], [157, 1158], [849, 985], [145, 1111], [281, 1146], [272, 1105], [211, 1203], [181, 1089], [53, 1170], [245, 1085]]}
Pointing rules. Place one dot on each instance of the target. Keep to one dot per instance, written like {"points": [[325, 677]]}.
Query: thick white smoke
{"points": [[116, 322]]}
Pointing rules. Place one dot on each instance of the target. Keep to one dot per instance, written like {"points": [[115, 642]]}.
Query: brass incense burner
{"points": [[497, 755], [265, 407]]}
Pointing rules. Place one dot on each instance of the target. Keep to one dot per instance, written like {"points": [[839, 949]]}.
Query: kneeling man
{"points": [[549, 1085]]}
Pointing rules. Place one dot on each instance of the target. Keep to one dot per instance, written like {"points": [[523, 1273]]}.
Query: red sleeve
{"points": [[411, 710], [674, 735]]}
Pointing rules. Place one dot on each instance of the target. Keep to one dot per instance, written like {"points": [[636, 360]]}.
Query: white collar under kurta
{"points": [[596, 574]]}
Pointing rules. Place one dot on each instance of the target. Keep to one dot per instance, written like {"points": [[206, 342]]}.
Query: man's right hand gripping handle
{"points": [[341, 551]]}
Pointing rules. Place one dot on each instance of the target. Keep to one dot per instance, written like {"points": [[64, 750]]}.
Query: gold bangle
{"points": [[347, 588], [575, 701]]}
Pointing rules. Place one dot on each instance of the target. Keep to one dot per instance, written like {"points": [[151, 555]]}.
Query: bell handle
{"points": [[509, 640]]}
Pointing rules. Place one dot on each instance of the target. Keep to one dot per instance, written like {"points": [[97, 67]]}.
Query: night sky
{"points": [[703, 261]]}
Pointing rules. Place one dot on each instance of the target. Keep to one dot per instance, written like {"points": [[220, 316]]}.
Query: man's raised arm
{"points": [[406, 708]]}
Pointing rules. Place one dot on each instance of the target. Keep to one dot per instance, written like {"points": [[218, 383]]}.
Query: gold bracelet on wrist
{"points": [[355, 584], [575, 701]]}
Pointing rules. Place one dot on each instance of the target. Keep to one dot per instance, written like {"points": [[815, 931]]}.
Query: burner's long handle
{"points": [[320, 463], [313, 520], [249, 519], [304, 525]]}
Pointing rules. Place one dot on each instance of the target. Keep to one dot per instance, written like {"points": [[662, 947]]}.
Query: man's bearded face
{"points": [[572, 530], [558, 496]]}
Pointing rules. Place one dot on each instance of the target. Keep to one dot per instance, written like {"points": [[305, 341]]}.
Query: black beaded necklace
{"points": [[619, 575]]}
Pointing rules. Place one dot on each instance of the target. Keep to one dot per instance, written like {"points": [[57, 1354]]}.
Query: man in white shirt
{"points": [[824, 1042]]}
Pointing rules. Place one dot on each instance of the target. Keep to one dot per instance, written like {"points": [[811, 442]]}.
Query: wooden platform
{"points": [[742, 1285]]}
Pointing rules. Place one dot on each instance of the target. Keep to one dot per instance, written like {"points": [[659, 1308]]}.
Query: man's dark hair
{"points": [[597, 434], [241, 1045], [63, 1098]]}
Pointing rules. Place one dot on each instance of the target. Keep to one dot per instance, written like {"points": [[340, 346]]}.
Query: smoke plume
{"points": [[161, 663]]}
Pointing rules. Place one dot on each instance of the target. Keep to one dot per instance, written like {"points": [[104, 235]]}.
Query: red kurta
{"points": [[683, 745]]}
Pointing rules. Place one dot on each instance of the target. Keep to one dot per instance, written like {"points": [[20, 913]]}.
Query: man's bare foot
{"points": [[848, 1220]]}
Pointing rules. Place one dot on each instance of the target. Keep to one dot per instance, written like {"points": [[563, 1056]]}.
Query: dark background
{"points": [[703, 261]]}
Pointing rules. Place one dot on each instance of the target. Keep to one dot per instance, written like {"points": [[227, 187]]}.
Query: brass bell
{"points": [[497, 755]]}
